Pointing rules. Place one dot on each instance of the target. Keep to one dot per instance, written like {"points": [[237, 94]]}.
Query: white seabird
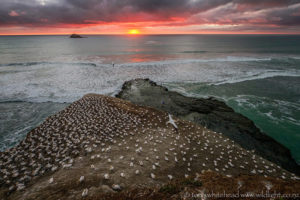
{"points": [[81, 179], [51, 180], [106, 176], [111, 168], [172, 122], [152, 176], [116, 187], [85, 192]]}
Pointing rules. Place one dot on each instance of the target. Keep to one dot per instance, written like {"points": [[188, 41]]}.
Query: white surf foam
{"points": [[67, 82], [260, 75]]}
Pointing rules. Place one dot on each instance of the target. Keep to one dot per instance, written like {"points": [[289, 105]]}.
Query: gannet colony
{"points": [[111, 144]]}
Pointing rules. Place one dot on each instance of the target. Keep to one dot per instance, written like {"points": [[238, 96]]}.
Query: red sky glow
{"points": [[35, 17]]}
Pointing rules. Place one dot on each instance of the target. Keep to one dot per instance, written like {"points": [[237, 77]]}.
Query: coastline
{"points": [[97, 132], [210, 113]]}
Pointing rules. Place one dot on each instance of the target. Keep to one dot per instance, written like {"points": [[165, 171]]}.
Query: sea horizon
{"points": [[154, 34]]}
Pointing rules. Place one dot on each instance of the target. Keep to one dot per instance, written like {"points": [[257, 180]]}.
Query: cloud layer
{"points": [[195, 15]]}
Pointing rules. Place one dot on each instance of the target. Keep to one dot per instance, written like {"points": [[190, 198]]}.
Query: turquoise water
{"points": [[258, 76], [272, 103]]}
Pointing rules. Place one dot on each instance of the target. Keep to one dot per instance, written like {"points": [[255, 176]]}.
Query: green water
{"points": [[272, 103]]}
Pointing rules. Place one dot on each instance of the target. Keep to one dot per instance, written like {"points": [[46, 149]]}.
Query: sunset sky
{"points": [[149, 16]]}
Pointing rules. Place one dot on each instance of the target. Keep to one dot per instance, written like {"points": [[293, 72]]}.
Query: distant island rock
{"points": [[75, 36]]}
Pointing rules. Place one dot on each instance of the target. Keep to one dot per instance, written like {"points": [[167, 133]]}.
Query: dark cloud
{"points": [[275, 14], [66, 12]]}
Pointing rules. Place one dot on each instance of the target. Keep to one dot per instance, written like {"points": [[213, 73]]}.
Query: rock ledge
{"points": [[211, 113]]}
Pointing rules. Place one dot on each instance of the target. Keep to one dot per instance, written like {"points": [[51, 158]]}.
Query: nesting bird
{"points": [[51, 180], [116, 133], [122, 175], [116, 187], [81, 179], [106, 176], [85, 192], [152, 176]]}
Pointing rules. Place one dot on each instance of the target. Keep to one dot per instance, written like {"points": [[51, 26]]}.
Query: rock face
{"points": [[97, 144], [75, 36], [211, 113]]}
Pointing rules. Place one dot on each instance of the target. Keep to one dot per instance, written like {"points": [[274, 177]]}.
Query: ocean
{"points": [[256, 75]]}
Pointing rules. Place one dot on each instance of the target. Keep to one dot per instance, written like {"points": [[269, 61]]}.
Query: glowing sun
{"points": [[133, 32]]}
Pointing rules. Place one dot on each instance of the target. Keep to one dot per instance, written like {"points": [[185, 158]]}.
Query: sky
{"points": [[19, 17]]}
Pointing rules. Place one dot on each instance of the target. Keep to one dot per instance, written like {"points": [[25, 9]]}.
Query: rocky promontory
{"points": [[212, 114], [102, 147]]}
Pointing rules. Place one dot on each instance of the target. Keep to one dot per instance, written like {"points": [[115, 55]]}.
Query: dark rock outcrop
{"points": [[211, 113], [75, 36]]}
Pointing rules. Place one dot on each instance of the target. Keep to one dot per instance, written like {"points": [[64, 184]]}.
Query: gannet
{"points": [[152, 176], [106, 176], [51, 180], [116, 187], [172, 122], [85, 192], [81, 179]]}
